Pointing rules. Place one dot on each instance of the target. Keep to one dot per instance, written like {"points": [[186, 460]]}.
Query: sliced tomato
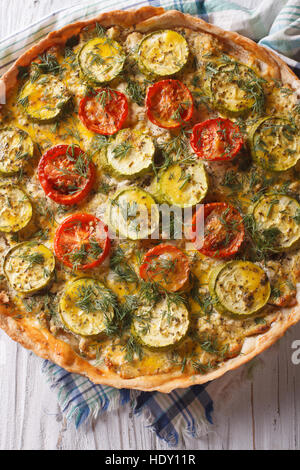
{"points": [[81, 242], [167, 266], [224, 230], [169, 104], [66, 174], [216, 139], [103, 111]]}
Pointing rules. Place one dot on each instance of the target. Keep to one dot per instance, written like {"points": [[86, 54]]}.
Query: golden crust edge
{"points": [[147, 18], [59, 37], [45, 345], [275, 66], [41, 341]]}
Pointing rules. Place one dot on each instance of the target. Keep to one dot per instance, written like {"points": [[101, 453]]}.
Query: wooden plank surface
{"points": [[265, 413]]}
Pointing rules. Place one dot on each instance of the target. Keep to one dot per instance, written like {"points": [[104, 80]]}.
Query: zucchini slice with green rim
{"points": [[235, 90], [44, 99], [182, 185], [239, 287], [130, 155], [161, 326], [275, 144], [133, 214], [85, 307], [16, 147], [15, 208], [29, 267], [279, 212], [100, 60], [163, 53]]}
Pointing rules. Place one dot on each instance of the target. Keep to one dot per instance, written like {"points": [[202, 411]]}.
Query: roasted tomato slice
{"points": [[104, 111], [167, 266], [81, 242], [66, 174], [216, 139], [169, 104], [224, 230]]}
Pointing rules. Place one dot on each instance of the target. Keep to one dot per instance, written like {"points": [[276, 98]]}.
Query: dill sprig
{"points": [[93, 298], [121, 150], [24, 101], [100, 30], [70, 57], [296, 218], [135, 91], [210, 344], [124, 272], [133, 348], [32, 258], [103, 96], [47, 64], [262, 242], [104, 188], [202, 368]]}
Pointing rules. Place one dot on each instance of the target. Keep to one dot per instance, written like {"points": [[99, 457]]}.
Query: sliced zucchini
{"points": [[101, 60], [182, 185], [85, 307], [200, 84], [277, 211], [16, 147], [239, 287], [235, 90], [130, 155], [275, 144], [29, 267], [161, 326], [133, 214], [44, 99], [15, 208], [163, 53]]}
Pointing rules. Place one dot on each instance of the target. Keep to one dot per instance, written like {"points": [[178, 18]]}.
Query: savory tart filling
{"points": [[130, 155], [44, 99], [29, 267], [16, 208], [101, 59], [16, 148], [86, 307], [275, 143], [106, 129], [183, 185], [163, 53], [239, 287]]}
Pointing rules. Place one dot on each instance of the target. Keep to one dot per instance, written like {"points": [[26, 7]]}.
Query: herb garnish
{"points": [[47, 64], [135, 92], [122, 269], [121, 150]]}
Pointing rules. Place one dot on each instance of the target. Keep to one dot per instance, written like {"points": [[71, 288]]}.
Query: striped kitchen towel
{"points": [[272, 23]]}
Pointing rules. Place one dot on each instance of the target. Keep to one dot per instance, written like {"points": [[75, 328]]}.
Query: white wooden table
{"points": [[264, 415]]}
